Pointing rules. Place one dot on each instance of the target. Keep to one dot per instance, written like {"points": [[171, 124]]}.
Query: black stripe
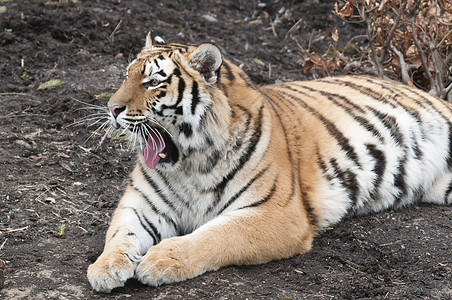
{"points": [[304, 196], [390, 123], [251, 146], [241, 135], [157, 189], [347, 108], [332, 97], [378, 169], [159, 192], [144, 68], [229, 73], [161, 73], [449, 158], [364, 90], [383, 98], [181, 198], [180, 46], [247, 80], [448, 191], [399, 182], [114, 234], [348, 180], [324, 168], [146, 225], [179, 110], [157, 63], [159, 52], [342, 141], [263, 200], [392, 126], [295, 166], [194, 97], [161, 95], [177, 72], [180, 90], [186, 129], [211, 161], [425, 100], [154, 229], [168, 80], [242, 190]]}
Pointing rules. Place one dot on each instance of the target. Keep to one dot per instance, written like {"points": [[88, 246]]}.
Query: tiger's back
{"points": [[229, 173], [374, 144]]}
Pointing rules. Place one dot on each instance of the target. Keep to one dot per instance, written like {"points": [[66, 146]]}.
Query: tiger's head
{"points": [[170, 103]]}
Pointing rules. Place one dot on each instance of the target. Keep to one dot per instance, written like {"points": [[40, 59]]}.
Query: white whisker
{"points": [[148, 134], [95, 106], [107, 133], [86, 119], [98, 129], [153, 121], [94, 123], [101, 108]]}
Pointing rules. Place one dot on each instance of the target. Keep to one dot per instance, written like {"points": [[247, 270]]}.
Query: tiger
{"points": [[231, 173]]}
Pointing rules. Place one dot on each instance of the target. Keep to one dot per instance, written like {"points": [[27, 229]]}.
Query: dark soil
{"points": [[50, 177]]}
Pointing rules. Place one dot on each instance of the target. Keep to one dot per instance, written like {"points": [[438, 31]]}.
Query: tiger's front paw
{"points": [[111, 270], [168, 262]]}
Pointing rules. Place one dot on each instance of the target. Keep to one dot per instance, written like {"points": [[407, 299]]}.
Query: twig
{"points": [[51, 71], [7, 230], [438, 66], [422, 54], [273, 27], [352, 66], [293, 28], [371, 38], [403, 65], [20, 94], [86, 231], [115, 31], [391, 243], [389, 38], [3, 244], [444, 38]]}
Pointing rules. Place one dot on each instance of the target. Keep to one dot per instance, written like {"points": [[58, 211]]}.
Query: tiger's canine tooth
{"points": [[162, 155]]}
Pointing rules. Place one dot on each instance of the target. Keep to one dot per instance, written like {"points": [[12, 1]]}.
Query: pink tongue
{"points": [[154, 146]]}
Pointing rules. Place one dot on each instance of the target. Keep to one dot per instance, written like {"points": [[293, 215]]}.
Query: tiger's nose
{"points": [[116, 110]]}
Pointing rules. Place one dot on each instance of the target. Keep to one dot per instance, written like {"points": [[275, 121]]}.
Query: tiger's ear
{"points": [[152, 39], [206, 59]]}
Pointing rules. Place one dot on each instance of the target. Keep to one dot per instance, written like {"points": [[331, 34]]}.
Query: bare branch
{"points": [[404, 67], [371, 38], [422, 54], [389, 37]]}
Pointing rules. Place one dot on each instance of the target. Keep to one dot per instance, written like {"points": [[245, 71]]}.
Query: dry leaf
{"points": [[345, 11], [335, 34], [65, 166]]}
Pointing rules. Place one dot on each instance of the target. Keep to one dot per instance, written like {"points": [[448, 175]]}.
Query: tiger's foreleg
{"points": [[247, 236], [134, 229]]}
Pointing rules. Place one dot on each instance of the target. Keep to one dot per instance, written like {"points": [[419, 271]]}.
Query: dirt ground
{"points": [[51, 178]]}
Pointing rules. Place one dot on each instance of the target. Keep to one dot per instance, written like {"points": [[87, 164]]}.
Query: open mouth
{"points": [[159, 148]]}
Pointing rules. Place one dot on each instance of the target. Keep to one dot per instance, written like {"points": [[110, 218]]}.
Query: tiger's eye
{"points": [[151, 83]]}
